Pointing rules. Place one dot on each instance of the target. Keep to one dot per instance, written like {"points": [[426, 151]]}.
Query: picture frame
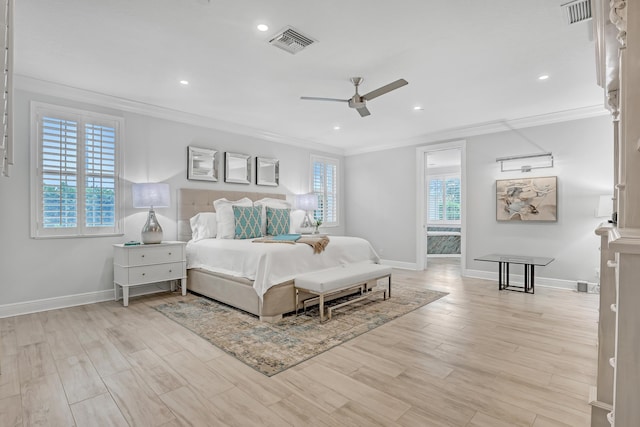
{"points": [[527, 199], [202, 164], [237, 168], [267, 171]]}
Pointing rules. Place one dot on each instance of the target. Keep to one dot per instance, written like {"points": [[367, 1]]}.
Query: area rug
{"points": [[273, 348]]}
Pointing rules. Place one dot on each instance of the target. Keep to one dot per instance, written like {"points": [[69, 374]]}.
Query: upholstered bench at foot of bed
{"points": [[331, 280]]}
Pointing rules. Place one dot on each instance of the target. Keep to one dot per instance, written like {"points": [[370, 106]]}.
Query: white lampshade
{"points": [[605, 206], [150, 195], [307, 202]]}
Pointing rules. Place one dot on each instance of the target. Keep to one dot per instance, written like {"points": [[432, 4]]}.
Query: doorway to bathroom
{"points": [[441, 204]]}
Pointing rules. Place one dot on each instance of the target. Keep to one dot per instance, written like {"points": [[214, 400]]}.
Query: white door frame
{"points": [[421, 167]]}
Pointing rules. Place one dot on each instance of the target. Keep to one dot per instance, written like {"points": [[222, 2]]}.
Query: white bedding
{"points": [[269, 264]]}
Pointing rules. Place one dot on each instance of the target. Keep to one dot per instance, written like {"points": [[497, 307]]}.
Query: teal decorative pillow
{"points": [[248, 222], [277, 221]]}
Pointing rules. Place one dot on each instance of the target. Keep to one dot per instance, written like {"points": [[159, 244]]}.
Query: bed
{"points": [[255, 277]]}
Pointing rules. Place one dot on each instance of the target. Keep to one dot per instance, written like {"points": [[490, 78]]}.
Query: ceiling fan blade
{"points": [[384, 89], [364, 112], [315, 98]]}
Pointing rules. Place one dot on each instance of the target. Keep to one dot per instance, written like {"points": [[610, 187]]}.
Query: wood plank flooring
{"points": [[478, 357]]}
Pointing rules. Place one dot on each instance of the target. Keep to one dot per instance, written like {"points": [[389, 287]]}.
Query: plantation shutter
{"points": [[6, 63], [100, 177], [443, 199], [325, 186], [59, 173], [452, 200], [435, 200]]}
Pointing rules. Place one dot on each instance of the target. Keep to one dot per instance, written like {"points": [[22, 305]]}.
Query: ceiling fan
{"points": [[359, 102]]}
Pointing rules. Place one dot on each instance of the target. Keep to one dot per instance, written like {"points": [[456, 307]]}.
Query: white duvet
{"points": [[269, 264]]}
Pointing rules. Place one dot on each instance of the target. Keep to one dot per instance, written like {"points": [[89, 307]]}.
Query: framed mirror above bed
{"points": [[237, 168], [202, 164], [267, 171]]}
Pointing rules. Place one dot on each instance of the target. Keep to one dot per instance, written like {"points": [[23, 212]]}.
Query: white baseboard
{"points": [[399, 264], [27, 307], [518, 279], [46, 304], [443, 256]]}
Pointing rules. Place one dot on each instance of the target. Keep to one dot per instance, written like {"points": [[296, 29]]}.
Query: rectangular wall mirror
{"points": [[267, 171], [202, 164], [237, 168]]}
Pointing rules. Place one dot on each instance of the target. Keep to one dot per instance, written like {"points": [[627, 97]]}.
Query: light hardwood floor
{"points": [[477, 357]]}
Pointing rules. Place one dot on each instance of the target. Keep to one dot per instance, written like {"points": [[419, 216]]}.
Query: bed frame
{"points": [[234, 291]]}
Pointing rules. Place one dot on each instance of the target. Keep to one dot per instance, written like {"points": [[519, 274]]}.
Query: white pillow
{"points": [[203, 226], [226, 221], [297, 217], [272, 203]]}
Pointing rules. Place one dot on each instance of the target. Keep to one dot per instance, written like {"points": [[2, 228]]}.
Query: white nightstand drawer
{"points": [[155, 273], [145, 255]]}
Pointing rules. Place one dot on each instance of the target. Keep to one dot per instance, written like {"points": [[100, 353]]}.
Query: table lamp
{"points": [[150, 195], [307, 202]]}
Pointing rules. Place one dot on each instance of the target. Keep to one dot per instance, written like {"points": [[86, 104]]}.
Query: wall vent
{"points": [[291, 40], [577, 11]]}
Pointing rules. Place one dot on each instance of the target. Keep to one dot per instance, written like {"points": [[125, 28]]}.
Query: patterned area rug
{"points": [[272, 348]]}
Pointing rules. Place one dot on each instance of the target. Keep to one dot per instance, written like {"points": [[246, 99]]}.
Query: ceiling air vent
{"points": [[578, 11], [291, 40]]}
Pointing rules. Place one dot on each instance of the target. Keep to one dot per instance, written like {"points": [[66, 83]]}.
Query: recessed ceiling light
{"points": [[418, 108], [336, 128], [543, 77], [184, 82], [262, 27]]}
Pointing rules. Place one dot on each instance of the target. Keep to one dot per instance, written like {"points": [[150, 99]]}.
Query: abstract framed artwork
{"points": [[527, 199], [202, 164], [267, 171]]}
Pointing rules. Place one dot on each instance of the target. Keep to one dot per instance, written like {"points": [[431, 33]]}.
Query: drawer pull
{"points": [[142, 255], [614, 308], [144, 274], [170, 271], [169, 253]]}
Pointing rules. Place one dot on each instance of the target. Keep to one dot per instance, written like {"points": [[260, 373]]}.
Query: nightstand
{"points": [[144, 264]]}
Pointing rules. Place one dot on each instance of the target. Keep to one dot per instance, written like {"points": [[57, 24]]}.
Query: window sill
{"points": [[77, 236]]}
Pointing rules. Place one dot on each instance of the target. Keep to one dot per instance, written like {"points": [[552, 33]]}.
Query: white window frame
{"points": [[82, 117], [443, 177], [326, 161]]}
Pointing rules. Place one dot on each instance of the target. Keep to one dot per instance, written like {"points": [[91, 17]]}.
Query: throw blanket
{"points": [[317, 243]]}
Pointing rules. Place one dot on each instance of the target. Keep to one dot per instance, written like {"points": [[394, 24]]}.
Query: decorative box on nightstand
{"points": [[144, 264]]}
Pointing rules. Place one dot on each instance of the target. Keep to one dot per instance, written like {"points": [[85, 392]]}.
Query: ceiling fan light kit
{"points": [[359, 102]]}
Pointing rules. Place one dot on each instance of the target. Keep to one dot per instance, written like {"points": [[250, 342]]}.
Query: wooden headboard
{"points": [[192, 201]]}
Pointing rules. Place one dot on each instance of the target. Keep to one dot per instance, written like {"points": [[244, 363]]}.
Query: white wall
{"points": [[382, 185], [154, 150], [380, 189]]}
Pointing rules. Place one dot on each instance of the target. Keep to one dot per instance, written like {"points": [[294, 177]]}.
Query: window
{"points": [[443, 199], [76, 190], [324, 179]]}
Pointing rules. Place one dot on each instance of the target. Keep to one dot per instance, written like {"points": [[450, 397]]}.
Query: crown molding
{"points": [[48, 88], [72, 93], [487, 128]]}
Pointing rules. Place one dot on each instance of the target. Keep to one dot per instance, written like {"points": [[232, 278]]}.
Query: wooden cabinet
{"points": [[144, 264], [615, 399]]}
